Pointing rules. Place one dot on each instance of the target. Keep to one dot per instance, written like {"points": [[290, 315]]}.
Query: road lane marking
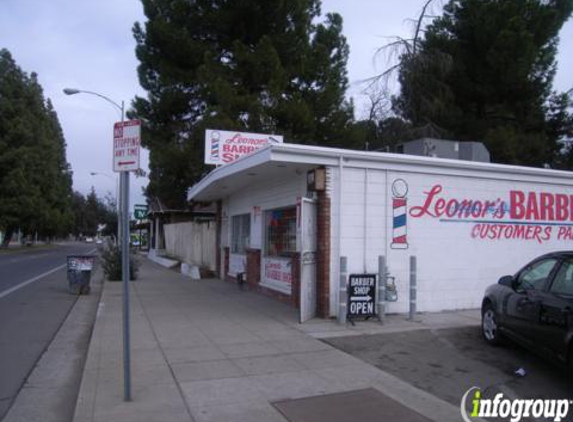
{"points": [[30, 281]]}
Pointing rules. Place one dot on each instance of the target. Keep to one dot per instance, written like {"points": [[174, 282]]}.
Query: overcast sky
{"points": [[89, 45]]}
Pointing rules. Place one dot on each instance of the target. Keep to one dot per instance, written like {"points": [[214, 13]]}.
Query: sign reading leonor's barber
{"points": [[223, 147], [361, 295]]}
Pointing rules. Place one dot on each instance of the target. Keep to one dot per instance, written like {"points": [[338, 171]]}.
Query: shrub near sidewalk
{"points": [[111, 264]]}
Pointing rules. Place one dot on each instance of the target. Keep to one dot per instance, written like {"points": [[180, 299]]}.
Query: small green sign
{"points": [[140, 212]]}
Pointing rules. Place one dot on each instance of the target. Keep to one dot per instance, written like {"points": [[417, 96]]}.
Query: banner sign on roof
{"points": [[224, 147]]}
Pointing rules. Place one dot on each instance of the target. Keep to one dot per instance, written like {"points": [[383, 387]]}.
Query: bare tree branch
{"points": [[419, 25]]}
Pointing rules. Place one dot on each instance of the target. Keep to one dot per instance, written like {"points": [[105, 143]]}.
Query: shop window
{"points": [[280, 232], [241, 233]]}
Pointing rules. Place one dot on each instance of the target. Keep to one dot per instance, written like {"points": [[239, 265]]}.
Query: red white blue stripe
{"points": [[399, 234]]}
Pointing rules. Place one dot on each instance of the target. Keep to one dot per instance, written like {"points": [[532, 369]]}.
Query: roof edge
{"points": [[332, 156]]}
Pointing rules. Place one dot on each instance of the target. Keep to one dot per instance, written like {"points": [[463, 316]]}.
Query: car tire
{"points": [[489, 325]]}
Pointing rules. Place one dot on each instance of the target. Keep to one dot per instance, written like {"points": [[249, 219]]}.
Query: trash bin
{"points": [[79, 273]]}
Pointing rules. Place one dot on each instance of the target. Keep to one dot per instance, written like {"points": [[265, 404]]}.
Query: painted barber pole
{"points": [[399, 211], [215, 138], [224, 147]]}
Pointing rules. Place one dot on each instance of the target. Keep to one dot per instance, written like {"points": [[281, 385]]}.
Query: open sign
{"points": [[361, 295]]}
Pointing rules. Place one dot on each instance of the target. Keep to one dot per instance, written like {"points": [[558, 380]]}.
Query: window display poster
{"points": [[280, 232], [277, 274]]}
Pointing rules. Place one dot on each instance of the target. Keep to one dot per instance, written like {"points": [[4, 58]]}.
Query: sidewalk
{"points": [[207, 351]]}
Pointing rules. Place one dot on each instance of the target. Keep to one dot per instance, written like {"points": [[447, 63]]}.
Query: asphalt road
{"points": [[31, 315], [447, 362]]}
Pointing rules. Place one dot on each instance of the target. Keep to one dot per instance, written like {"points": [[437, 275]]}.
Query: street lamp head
{"points": [[71, 91]]}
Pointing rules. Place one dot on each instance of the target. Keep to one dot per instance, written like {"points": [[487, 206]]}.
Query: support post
{"points": [[382, 278], [123, 238], [124, 181], [413, 286], [342, 297], [124, 178], [118, 209]]}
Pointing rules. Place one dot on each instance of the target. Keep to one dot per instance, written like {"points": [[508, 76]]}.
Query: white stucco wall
{"points": [[455, 264]]}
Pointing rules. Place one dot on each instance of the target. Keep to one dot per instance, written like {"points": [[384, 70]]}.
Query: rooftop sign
{"points": [[224, 147]]}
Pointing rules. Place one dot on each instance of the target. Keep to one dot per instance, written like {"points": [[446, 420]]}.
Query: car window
{"points": [[535, 275], [563, 282]]}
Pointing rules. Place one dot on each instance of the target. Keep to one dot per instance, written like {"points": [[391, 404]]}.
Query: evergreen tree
{"points": [[35, 179], [250, 65], [90, 211], [484, 71]]}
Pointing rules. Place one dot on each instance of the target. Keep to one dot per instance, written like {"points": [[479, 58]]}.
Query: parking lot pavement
{"points": [[447, 362]]}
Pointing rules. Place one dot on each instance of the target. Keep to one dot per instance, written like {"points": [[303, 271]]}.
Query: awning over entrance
{"points": [[283, 159]]}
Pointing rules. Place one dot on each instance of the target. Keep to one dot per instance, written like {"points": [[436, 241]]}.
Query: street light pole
{"points": [[124, 223]]}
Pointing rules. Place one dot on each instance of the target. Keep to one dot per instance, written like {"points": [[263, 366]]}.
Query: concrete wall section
{"points": [[461, 253], [359, 223], [465, 231]]}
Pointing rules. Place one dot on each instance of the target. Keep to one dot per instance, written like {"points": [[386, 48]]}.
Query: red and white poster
{"points": [[277, 274], [126, 142], [224, 147]]}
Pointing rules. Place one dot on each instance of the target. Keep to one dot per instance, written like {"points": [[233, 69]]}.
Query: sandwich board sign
{"points": [[126, 145], [223, 147], [361, 296]]}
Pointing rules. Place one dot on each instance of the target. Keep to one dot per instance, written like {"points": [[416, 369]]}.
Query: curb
{"points": [[86, 391]]}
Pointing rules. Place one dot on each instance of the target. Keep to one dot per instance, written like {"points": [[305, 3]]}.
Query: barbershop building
{"points": [[287, 213]]}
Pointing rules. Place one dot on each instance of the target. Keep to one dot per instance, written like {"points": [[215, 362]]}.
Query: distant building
{"points": [[442, 148]]}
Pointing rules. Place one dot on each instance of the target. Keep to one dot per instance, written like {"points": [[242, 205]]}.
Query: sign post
{"points": [[126, 142], [361, 296]]}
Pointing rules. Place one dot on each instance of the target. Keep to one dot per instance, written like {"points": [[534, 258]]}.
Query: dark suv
{"points": [[534, 307]]}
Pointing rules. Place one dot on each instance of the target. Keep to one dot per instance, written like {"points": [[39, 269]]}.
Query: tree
{"points": [[253, 65], [91, 212], [35, 178], [57, 218], [484, 71]]}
